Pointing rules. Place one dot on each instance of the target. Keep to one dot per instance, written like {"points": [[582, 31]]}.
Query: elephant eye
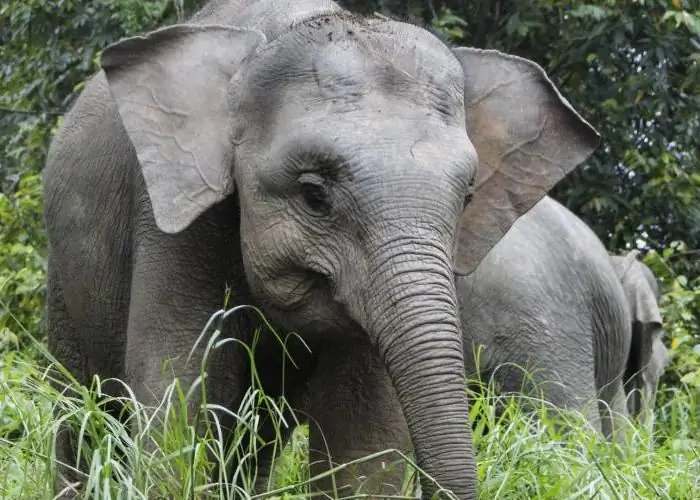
{"points": [[315, 195], [467, 198]]}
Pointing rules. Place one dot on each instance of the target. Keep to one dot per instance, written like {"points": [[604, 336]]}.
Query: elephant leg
{"points": [[579, 396], [64, 344], [613, 411], [162, 333], [354, 412], [78, 348], [275, 437], [562, 383], [164, 326], [178, 282]]}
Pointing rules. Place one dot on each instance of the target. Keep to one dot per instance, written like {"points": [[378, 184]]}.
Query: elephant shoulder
{"points": [[87, 181], [91, 129], [90, 157]]}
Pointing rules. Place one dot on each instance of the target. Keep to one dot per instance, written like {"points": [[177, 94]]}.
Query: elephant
{"points": [[550, 306], [648, 355], [320, 166]]}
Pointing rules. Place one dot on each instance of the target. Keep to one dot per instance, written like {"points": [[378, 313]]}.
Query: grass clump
{"points": [[552, 454], [547, 454]]}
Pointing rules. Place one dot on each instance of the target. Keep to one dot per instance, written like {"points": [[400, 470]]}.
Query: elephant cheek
{"points": [[273, 263]]}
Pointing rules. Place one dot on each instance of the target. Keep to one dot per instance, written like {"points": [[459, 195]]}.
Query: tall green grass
{"points": [[548, 454]]}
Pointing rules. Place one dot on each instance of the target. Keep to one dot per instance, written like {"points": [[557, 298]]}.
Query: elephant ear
{"points": [[171, 90], [527, 137]]}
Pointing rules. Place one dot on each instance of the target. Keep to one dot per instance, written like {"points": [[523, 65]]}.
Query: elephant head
{"points": [[352, 146], [648, 356]]}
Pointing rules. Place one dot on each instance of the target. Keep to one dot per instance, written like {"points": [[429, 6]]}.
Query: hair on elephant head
{"points": [[352, 146], [648, 356]]}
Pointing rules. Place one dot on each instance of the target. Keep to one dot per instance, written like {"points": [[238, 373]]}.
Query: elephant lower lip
{"points": [[314, 317], [292, 291]]}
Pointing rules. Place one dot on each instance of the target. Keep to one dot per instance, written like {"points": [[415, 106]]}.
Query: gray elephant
{"points": [[648, 355], [550, 300], [318, 164]]}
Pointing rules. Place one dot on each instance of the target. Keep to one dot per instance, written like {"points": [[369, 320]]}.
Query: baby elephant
{"points": [[549, 307]]}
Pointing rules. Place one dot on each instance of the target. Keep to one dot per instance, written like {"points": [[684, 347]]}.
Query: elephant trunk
{"points": [[412, 317]]}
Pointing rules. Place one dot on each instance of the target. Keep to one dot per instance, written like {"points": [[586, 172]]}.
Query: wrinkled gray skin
{"points": [[648, 355], [548, 298], [318, 164]]}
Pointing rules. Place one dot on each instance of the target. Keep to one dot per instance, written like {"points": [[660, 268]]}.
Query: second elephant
{"points": [[550, 307], [648, 355]]}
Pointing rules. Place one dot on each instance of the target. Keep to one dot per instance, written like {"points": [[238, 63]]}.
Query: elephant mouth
{"points": [[308, 305]]}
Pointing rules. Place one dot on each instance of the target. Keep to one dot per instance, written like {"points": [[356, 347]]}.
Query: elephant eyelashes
{"points": [[315, 194], [468, 196]]}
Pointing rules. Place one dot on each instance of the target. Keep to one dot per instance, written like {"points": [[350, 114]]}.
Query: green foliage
{"points": [[548, 455], [51, 48], [553, 454], [22, 262], [680, 304]]}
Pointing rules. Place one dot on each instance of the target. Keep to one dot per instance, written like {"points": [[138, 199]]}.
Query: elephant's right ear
{"points": [[171, 89], [527, 137]]}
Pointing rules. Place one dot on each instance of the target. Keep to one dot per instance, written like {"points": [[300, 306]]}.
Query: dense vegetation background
{"points": [[632, 68]]}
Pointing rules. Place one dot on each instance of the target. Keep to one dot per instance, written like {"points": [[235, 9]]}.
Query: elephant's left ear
{"points": [[527, 137]]}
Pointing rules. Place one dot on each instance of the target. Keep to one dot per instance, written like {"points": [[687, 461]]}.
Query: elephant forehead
{"points": [[348, 72], [345, 62], [417, 55], [341, 73]]}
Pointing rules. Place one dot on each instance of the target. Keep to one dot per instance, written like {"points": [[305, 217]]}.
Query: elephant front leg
{"points": [[354, 412], [64, 344], [282, 371], [178, 282], [91, 345], [162, 336]]}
